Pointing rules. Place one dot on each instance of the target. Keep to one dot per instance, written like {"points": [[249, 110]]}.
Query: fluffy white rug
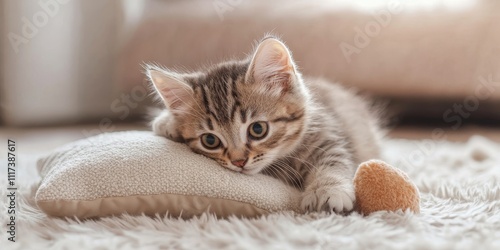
{"points": [[459, 185]]}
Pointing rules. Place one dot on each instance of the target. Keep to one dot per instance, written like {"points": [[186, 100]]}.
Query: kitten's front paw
{"points": [[339, 198]]}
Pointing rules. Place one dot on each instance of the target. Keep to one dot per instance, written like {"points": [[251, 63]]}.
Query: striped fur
{"points": [[318, 131]]}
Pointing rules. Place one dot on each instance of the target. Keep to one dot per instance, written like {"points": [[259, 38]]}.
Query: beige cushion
{"points": [[138, 172]]}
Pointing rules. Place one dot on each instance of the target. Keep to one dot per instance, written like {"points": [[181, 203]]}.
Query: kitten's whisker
{"points": [[273, 172], [293, 178], [290, 168], [286, 170], [284, 176], [294, 172], [305, 162], [276, 173]]}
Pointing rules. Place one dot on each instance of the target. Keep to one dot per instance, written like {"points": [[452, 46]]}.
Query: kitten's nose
{"points": [[240, 163]]}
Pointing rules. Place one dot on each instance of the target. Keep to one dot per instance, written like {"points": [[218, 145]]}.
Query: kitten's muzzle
{"points": [[240, 163]]}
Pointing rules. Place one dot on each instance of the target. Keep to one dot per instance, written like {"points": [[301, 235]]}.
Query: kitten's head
{"points": [[243, 114]]}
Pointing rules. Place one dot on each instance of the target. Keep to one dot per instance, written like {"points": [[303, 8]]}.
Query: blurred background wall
{"points": [[58, 60], [71, 61], [2, 58]]}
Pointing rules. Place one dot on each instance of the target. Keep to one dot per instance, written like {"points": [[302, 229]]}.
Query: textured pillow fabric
{"points": [[138, 172]]}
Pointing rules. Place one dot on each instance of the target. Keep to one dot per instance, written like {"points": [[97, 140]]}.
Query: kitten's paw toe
{"points": [[337, 198]]}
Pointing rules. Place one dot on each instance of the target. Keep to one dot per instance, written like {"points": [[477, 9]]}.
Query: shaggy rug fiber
{"points": [[460, 209]]}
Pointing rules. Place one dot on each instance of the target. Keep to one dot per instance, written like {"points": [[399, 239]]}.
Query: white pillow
{"points": [[138, 172]]}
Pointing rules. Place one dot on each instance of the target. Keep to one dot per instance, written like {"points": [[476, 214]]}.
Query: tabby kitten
{"points": [[260, 115]]}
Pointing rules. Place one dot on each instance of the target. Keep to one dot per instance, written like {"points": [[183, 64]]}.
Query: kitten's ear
{"points": [[172, 89], [272, 66]]}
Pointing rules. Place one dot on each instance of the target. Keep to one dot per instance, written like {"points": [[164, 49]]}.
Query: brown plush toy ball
{"points": [[379, 186]]}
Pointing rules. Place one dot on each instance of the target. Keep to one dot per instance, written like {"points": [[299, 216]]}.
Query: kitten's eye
{"points": [[257, 130], [210, 141]]}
